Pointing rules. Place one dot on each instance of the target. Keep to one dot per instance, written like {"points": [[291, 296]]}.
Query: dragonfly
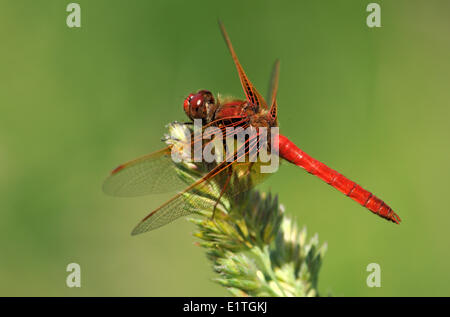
{"points": [[154, 173]]}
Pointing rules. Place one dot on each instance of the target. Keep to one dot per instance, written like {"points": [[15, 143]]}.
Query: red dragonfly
{"points": [[154, 173]]}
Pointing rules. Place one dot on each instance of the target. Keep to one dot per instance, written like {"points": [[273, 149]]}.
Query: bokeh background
{"points": [[371, 103]]}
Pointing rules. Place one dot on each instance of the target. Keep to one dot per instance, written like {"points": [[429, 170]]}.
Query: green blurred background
{"points": [[371, 103]]}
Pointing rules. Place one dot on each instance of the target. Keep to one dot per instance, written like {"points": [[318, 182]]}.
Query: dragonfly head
{"points": [[200, 105]]}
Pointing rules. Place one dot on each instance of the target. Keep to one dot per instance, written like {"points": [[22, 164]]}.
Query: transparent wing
{"points": [[153, 173], [150, 174], [182, 204], [202, 195], [273, 89], [253, 96], [228, 178]]}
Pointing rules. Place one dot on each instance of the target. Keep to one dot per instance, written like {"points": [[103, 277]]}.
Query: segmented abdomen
{"points": [[290, 152]]}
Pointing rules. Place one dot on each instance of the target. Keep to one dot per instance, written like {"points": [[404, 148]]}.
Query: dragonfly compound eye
{"points": [[199, 105], [186, 103]]}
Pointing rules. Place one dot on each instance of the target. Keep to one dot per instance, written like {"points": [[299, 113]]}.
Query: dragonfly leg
{"points": [[249, 169], [224, 188]]}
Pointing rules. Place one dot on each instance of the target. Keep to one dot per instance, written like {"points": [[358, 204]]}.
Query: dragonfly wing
{"points": [[273, 89], [253, 96], [201, 195], [204, 193], [182, 204], [149, 174]]}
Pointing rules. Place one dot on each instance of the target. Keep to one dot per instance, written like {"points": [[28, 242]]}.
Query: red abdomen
{"points": [[290, 152]]}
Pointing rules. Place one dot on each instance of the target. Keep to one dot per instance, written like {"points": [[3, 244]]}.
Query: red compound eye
{"points": [[196, 101], [187, 102], [198, 105]]}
